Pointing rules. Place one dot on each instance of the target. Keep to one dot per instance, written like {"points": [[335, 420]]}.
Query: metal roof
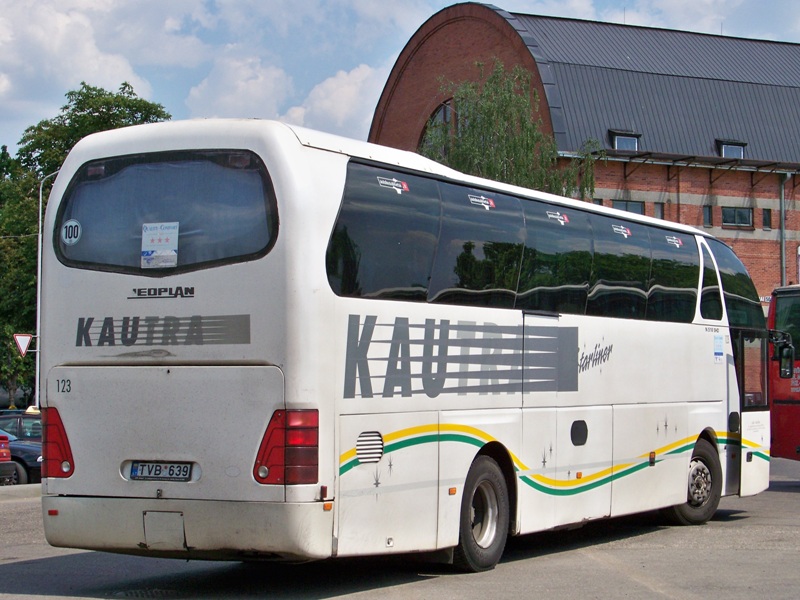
{"points": [[678, 91]]}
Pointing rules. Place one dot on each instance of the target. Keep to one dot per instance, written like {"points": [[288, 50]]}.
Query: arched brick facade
{"points": [[447, 48]]}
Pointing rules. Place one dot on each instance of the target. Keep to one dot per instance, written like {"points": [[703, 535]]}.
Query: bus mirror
{"points": [[786, 361], [782, 351]]}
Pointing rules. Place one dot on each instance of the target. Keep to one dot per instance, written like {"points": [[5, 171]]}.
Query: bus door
{"points": [[750, 349], [564, 430]]}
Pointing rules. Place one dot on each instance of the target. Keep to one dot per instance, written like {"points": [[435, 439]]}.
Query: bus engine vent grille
{"points": [[369, 447]]}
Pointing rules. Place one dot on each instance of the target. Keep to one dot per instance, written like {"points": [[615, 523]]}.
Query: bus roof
{"points": [[413, 161], [171, 135], [787, 290]]}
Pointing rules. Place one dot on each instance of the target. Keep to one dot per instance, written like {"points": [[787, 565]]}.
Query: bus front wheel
{"points": [[704, 487], [483, 527]]}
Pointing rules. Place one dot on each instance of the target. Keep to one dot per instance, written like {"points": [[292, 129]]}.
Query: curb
{"points": [[19, 492]]}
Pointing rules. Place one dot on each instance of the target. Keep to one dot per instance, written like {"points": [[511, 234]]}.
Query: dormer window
{"points": [[626, 141], [731, 149]]}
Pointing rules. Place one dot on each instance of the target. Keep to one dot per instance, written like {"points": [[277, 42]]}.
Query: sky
{"points": [[317, 63]]}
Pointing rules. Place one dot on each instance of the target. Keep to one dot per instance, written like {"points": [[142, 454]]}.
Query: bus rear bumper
{"points": [[190, 529]]}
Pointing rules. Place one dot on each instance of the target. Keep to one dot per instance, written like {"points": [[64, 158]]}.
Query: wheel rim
{"points": [[484, 514], [700, 483]]}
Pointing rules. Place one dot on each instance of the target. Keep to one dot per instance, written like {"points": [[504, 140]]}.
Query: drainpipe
{"points": [[782, 186]]}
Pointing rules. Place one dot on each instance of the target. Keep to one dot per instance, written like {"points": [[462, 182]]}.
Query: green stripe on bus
{"points": [[555, 491]]}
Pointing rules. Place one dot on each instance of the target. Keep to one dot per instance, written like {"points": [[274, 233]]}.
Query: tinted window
{"points": [[621, 269], [557, 262], [674, 277], [741, 299], [710, 300], [385, 237], [787, 318], [163, 213], [480, 248]]}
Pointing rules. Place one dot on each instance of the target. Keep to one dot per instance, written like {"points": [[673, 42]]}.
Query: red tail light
{"points": [[5, 452], [289, 452], [56, 453]]}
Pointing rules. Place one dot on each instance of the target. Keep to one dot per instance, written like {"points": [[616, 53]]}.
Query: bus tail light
{"points": [[56, 453], [289, 451]]}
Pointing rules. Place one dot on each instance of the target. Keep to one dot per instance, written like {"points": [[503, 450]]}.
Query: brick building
{"points": [[699, 129]]}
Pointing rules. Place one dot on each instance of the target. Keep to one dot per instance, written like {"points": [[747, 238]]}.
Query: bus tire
{"points": [[704, 487], [483, 526]]}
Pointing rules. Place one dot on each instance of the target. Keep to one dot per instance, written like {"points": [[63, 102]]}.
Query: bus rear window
{"points": [[158, 214]]}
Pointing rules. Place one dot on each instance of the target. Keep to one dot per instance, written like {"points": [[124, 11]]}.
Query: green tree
{"points": [[44, 146], [16, 372], [42, 150], [496, 133]]}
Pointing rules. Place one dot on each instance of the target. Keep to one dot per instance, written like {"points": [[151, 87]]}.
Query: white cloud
{"points": [[154, 32], [342, 104], [50, 47], [240, 87], [47, 47], [573, 9]]}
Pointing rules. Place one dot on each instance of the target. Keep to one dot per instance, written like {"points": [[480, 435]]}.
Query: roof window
{"points": [[626, 141], [731, 149]]}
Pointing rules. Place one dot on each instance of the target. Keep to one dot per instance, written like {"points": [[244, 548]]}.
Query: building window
{"points": [[627, 141], [731, 149], [766, 218], [598, 201], [708, 216], [658, 210], [442, 115], [737, 217], [439, 126], [629, 205]]}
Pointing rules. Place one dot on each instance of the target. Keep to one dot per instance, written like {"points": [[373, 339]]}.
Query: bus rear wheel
{"points": [[704, 487], [483, 527]]}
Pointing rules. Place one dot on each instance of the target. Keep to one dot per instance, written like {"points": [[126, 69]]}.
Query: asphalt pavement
{"points": [[18, 492]]}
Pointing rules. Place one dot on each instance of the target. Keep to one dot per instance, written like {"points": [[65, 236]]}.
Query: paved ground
{"points": [[751, 548]]}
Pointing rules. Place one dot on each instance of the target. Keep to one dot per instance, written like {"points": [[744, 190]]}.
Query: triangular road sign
{"points": [[23, 341]]}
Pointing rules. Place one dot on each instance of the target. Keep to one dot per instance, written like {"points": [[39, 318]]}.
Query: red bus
{"points": [[784, 391]]}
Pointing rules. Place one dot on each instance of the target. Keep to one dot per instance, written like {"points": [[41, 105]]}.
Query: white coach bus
{"points": [[260, 341]]}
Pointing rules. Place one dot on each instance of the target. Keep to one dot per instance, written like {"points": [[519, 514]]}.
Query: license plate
{"points": [[161, 471]]}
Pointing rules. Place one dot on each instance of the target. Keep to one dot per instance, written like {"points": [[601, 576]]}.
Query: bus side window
{"points": [[384, 240], [480, 248], [557, 262], [672, 295], [710, 300], [621, 268]]}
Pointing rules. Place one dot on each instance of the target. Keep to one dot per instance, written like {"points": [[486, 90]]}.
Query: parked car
{"points": [[25, 424], [26, 456], [7, 466]]}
